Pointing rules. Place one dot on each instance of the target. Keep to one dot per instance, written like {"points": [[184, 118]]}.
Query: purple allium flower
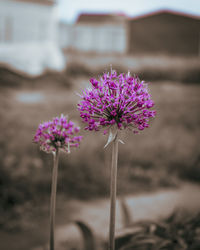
{"points": [[57, 134], [120, 100]]}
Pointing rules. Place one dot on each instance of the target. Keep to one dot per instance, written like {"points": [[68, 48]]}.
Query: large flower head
{"points": [[58, 133], [121, 100]]}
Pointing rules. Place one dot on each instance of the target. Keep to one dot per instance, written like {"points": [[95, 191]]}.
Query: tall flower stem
{"points": [[113, 191], [53, 198]]}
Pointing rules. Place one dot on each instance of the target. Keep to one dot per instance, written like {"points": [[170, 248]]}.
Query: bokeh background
{"points": [[48, 52]]}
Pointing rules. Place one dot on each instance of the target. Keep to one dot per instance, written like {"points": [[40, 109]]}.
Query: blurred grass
{"points": [[158, 157]]}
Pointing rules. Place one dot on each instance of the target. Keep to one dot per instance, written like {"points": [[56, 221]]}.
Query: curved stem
{"points": [[53, 198], [113, 191]]}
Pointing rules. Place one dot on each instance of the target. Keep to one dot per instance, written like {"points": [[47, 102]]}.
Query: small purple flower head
{"points": [[121, 100], [57, 134]]}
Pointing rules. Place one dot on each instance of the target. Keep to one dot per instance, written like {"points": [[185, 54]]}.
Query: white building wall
{"points": [[66, 36], [28, 37], [26, 21], [101, 38]]}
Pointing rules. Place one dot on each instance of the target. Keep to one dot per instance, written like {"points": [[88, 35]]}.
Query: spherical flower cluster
{"points": [[121, 100], [57, 134]]}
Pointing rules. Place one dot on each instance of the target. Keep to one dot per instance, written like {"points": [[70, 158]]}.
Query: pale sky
{"points": [[70, 9]]}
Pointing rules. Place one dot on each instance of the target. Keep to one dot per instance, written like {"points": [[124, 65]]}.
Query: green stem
{"points": [[53, 198], [113, 191]]}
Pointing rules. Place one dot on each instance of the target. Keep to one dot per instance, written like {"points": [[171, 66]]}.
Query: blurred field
{"points": [[149, 67], [162, 156]]}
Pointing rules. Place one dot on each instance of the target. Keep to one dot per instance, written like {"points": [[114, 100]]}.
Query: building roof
{"points": [[99, 17], [43, 2], [164, 11]]}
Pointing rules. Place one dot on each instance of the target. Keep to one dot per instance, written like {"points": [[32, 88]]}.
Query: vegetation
{"points": [[165, 155], [181, 231], [169, 148], [178, 232]]}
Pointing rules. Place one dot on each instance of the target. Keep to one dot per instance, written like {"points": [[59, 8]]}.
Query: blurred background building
{"points": [[165, 32], [31, 29], [161, 32], [27, 21], [28, 30], [100, 33]]}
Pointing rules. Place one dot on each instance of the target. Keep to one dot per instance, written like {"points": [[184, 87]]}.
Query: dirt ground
{"points": [[95, 214], [151, 206]]}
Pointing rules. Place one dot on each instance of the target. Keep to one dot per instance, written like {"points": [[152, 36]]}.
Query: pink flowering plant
{"points": [[120, 100], [53, 136], [113, 103], [58, 134]]}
